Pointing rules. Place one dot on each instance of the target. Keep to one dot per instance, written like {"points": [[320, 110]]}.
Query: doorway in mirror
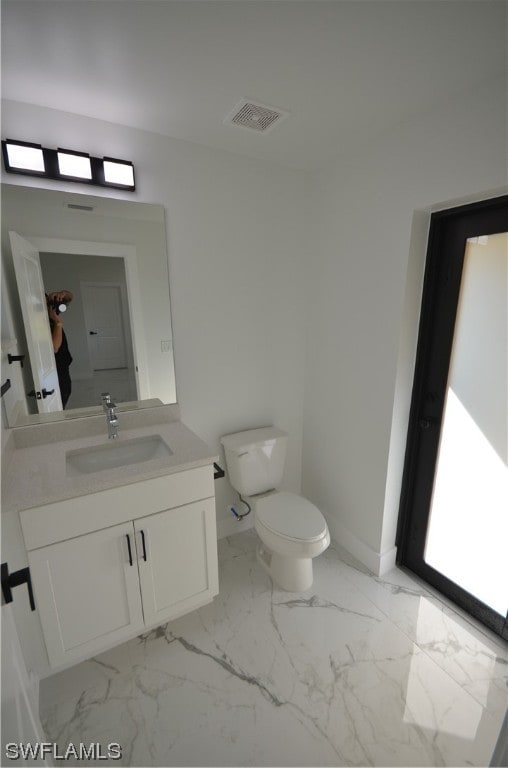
{"points": [[97, 325]]}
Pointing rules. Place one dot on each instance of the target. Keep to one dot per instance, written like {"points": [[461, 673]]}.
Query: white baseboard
{"points": [[228, 526], [33, 691], [377, 562], [387, 561]]}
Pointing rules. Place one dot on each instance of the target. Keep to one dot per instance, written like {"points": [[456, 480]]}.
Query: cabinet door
{"points": [[87, 593], [177, 560]]}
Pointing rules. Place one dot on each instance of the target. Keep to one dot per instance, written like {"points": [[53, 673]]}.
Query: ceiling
{"points": [[346, 70]]}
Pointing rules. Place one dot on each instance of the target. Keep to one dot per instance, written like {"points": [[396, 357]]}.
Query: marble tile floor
{"points": [[359, 671]]}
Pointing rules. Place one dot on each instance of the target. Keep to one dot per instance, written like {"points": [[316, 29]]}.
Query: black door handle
{"points": [[11, 580], [47, 392], [15, 359]]}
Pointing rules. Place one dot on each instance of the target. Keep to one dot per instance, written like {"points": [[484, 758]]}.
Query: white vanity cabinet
{"points": [[114, 564], [177, 560], [86, 593]]}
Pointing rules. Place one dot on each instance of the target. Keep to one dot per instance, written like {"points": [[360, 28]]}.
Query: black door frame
{"points": [[449, 230]]}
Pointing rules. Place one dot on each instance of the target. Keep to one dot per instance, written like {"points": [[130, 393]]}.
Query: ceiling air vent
{"points": [[256, 117]]}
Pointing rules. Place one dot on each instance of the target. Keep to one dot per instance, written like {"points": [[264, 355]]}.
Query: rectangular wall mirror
{"points": [[112, 255]]}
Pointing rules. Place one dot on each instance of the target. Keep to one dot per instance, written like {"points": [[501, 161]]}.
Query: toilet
{"points": [[292, 531]]}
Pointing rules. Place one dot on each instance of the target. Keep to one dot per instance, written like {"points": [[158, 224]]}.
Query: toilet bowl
{"points": [[291, 529], [292, 532]]}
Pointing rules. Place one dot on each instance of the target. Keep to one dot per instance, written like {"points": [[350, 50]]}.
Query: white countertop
{"points": [[36, 475]]}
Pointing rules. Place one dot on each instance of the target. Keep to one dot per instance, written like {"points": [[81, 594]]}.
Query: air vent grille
{"points": [[256, 117], [77, 207]]}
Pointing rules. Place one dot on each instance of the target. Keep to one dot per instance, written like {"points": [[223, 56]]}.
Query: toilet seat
{"points": [[291, 516]]}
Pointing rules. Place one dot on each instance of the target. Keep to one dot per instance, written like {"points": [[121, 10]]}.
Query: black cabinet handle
{"points": [[143, 543], [129, 548], [11, 580]]}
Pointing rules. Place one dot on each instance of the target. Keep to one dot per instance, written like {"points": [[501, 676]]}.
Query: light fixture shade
{"points": [[23, 156], [67, 164], [119, 172], [74, 164]]}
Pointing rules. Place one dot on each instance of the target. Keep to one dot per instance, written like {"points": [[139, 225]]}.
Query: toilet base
{"points": [[293, 574]]}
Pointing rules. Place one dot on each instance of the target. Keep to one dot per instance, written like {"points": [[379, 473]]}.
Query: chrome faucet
{"points": [[111, 418]]}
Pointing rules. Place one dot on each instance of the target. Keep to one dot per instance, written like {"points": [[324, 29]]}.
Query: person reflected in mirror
{"points": [[57, 302]]}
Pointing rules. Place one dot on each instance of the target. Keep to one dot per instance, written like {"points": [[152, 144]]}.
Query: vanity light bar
{"points": [[67, 165], [74, 165], [23, 157], [118, 172]]}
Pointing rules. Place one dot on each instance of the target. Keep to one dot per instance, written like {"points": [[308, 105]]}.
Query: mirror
{"points": [[112, 255]]}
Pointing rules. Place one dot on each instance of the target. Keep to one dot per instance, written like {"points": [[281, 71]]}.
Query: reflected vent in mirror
{"points": [[79, 207]]}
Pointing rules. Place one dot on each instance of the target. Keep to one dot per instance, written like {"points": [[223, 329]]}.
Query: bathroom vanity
{"points": [[120, 535]]}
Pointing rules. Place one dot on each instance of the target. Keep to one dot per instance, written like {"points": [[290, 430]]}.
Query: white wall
{"points": [[236, 236], [361, 326]]}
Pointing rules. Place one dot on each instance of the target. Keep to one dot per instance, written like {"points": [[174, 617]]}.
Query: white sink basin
{"points": [[115, 453]]}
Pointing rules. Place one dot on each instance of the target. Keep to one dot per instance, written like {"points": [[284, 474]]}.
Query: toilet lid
{"points": [[292, 516]]}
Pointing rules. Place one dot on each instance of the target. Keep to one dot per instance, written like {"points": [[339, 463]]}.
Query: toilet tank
{"points": [[255, 459]]}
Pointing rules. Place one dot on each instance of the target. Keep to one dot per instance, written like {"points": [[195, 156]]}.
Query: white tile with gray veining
{"points": [[470, 654], [357, 671]]}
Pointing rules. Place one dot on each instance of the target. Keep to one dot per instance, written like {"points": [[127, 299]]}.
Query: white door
{"points": [[32, 298], [104, 322], [87, 593], [20, 719], [177, 559]]}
